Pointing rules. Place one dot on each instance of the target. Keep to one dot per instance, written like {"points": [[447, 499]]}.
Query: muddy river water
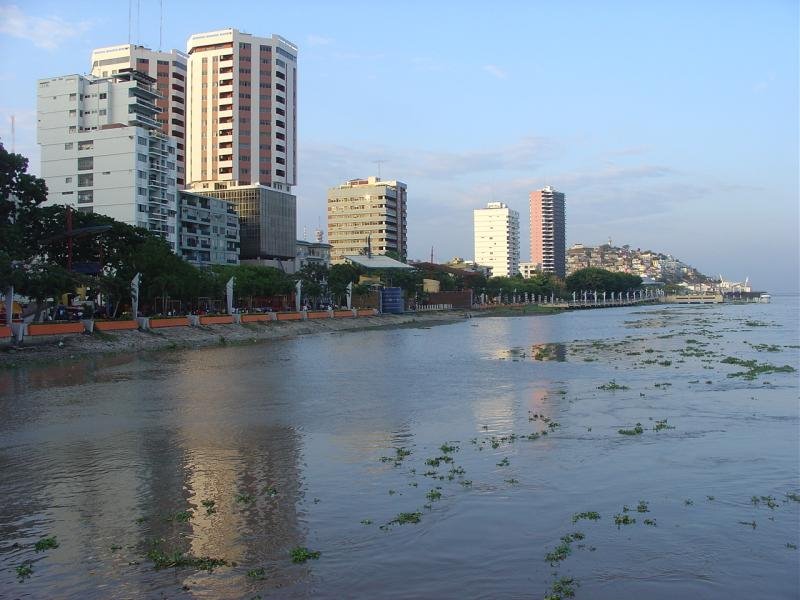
{"points": [[618, 453]]}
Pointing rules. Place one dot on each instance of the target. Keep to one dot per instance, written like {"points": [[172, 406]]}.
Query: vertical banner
{"points": [[298, 290], [9, 304], [135, 295], [229, 295], [350, 295]]}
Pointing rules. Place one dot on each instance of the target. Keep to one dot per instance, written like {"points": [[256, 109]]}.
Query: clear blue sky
{"points": [[669, 125]]}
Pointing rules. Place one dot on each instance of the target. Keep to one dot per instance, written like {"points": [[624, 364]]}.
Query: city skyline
{"points": [[657, 143]]}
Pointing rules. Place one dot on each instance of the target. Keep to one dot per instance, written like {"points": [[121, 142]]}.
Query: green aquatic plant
{"points": [[177, 559], [559, 553], [612, 385], [638, 430], [46, 543], [589, 516], [448, 448], [434, 495], [244, 498], [512, 481], [754, 368], [181, 517], [24, 571], [642, 507], [651, 522], [770, 502], [366, 521], [620, 520], [270, 491], [256, 573], [405, 518], [301, 554], [661, 425], [688, 502], [562, 588], [504, 463], [793, 496], [791, 546], [749, 523], [466, 482], [210, 506]]}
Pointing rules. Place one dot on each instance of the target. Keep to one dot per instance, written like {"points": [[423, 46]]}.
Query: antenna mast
{"points": [[160, 24], [13, 135], [379, 163]]}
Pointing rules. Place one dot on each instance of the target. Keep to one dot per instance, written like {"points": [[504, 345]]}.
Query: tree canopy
{"points": [[594, 279]]}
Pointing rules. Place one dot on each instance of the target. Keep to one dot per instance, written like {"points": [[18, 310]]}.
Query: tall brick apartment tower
{"points": [[548, 231], [242, 125]]}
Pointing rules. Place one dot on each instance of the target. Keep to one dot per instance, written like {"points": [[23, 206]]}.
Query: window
{"points": [[67, 179], [85, 180], [103, 96], [86, 145], [73, 129], [102, 111], [85, 197], [86, 209], [73, 113], [141, 140], [280, 173], [280, 99], [66, 193], [86, 163], [73, 96], [280, 148], [141, 157], [68, 146], [141, 174], [142, 191]]}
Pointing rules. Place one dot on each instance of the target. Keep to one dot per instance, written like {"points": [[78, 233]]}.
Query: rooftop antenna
{"points": [[160, 24], [130, 19], [305, 233], [13, 135], [138, 21], [431, 254], [379, 162]]}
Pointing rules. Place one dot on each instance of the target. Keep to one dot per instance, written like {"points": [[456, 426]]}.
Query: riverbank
{"points": [[76, 346]]}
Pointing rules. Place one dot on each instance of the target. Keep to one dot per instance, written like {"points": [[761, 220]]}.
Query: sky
{"points": [[670, 126]]}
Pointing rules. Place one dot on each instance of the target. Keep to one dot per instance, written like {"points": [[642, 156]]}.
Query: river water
{"points": [[304, 443]]}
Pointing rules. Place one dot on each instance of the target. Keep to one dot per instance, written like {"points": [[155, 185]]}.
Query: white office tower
{"points": [[169, 69], [103, 149], [497, 239]]}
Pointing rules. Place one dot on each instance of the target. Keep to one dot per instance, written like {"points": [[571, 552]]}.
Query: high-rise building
{"points": [[497, 239], [548, 231], [169, 71], [242, 117], [362, 211], [103, 150], [208, 230], [267, 222]]}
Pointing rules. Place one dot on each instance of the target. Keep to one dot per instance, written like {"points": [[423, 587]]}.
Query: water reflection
{"points": [[541, 352]]}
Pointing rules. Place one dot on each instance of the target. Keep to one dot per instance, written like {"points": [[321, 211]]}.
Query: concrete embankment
{"points": [[75, 346]]}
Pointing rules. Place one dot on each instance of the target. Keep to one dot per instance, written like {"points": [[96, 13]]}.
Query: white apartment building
{"points": [[169, 69], [367, 208], [103, 150], [242, 107], [529, 269], [497, 239]]}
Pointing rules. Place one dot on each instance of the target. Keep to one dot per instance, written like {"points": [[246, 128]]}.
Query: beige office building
{"points": [[367, 209]]}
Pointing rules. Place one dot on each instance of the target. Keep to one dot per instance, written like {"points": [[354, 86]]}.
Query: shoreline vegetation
{"points": [[75, 347]]}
